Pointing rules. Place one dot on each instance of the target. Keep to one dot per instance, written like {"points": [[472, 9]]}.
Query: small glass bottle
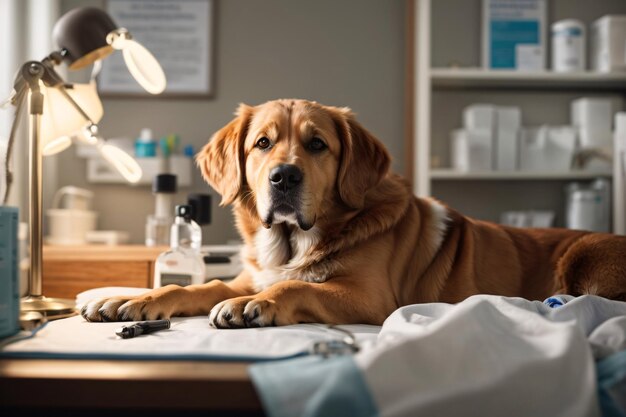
{"points": [[183, 263]]}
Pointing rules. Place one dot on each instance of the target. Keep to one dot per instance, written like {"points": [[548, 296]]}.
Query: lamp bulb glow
{"points": [[140, 62]]}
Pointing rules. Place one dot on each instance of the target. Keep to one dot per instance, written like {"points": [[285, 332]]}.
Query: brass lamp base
{"points": [[50, 308]]}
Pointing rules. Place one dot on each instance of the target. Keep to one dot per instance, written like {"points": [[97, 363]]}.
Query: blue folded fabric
{"points": [[313, 386], [612, 385]]}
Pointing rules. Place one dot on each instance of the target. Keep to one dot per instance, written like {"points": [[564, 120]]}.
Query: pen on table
{"points": [[143, 327]]}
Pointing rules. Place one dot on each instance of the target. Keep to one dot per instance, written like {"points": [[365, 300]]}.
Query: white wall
{"points": [[345, 53]]}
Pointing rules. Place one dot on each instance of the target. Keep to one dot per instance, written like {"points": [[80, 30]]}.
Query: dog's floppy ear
{"points": [[221, 160], [364, 160]]}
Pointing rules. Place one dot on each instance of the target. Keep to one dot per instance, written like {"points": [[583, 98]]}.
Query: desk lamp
{"points": [[58, 110]]}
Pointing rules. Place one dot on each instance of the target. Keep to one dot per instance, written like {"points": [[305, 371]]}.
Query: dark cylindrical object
{"points": [[164, 183], [201, 204], [82, 33]]}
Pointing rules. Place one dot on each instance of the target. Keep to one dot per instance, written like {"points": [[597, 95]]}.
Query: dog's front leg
{"points": [[341, 300], [168, 301]]}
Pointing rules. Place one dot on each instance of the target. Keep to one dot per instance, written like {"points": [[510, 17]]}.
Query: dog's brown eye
{"points": [[316, 145], [263, 143]]}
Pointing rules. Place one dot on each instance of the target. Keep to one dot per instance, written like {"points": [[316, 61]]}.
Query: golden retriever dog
{"points": [[331, 236]]}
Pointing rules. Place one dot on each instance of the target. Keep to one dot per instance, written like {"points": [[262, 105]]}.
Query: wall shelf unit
{"points": [[480, 78], [445, 45], [449, 174]]}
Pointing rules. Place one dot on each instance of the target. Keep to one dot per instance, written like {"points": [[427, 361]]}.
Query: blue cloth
{"points": [[612, 385], [313, 386]]}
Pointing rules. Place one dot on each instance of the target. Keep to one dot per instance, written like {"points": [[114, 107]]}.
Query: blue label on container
{"points": [[568, 32], [506, 35]]}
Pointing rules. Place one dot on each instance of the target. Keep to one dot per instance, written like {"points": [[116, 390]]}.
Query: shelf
{"points": [[100, 172], [471, 78], [448, 174]]}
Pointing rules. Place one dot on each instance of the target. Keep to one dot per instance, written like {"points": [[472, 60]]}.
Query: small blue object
{"points": [[145, 149], [555, 301], [188, 151]]}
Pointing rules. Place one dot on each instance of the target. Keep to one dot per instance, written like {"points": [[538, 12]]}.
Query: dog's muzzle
{"points": [[285, 178], [286, 181]]}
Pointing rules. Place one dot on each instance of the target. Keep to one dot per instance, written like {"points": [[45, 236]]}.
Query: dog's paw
{"points": [[103, 309], [127, 309], [245, 312]]}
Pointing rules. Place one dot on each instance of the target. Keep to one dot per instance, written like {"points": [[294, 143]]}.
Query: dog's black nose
{"points": [[285, 177]]}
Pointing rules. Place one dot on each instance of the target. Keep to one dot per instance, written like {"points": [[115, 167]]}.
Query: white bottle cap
{"points": [[145, 135]]}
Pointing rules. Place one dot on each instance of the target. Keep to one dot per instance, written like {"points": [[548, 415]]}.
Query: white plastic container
{"points": [[70, 218], [183, 264], [547, 148], [479, 116], [472, 150], [594, 114], [568, 46], [588, 206], [69, 226], [608, 44], [508, 123]]}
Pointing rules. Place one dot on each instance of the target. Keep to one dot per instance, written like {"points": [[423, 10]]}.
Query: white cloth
{"points": [[486, 356]]}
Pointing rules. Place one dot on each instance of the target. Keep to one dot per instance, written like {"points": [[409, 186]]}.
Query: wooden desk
{"points": [[73, 387], [98, 388], [69, 270]]}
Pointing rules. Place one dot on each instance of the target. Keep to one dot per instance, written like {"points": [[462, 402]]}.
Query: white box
{"points": [[592, 113], [471, 150], [547, 148], [608, 44], [479, 116], [508, 123], [514, 35]]}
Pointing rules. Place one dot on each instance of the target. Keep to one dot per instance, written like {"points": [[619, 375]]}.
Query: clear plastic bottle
{"points": [[183, 263]]}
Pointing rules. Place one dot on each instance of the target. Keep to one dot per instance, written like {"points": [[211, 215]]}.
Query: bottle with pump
{"points": [[182, 264]]}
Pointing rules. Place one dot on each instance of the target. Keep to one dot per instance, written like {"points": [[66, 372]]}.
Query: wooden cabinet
{"points": [[69, 270]]}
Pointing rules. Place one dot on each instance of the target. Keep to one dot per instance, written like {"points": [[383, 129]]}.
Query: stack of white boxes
{"points": [[488, 140]]}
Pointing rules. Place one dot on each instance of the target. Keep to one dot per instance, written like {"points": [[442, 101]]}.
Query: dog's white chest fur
{"points": [[281, 256]]}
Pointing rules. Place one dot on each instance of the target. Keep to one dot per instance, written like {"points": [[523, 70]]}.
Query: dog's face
{"points": [[292, 160]]}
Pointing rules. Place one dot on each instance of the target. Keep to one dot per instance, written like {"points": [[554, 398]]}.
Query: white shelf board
{"points": [[480, 78], [449, 174]]}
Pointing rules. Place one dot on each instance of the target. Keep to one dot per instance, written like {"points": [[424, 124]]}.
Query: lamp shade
{"points": [[61, 120], [82, 34]]}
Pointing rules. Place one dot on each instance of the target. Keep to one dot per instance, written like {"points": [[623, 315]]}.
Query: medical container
{"points": [[568, 46], [183, 264], [514, 35]]}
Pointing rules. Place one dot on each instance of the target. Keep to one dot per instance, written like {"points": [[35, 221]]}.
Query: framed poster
{"points": [[177, 32]]}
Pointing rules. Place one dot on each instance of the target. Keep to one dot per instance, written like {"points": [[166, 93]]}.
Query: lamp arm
{"points": [[27, 79]]}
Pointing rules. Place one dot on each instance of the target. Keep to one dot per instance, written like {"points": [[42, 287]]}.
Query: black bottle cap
{"points": [[185, 211], [201, 204], [164, 183]]}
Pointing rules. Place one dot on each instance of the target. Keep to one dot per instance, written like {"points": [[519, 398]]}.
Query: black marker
{"points": [[144, 327]]}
